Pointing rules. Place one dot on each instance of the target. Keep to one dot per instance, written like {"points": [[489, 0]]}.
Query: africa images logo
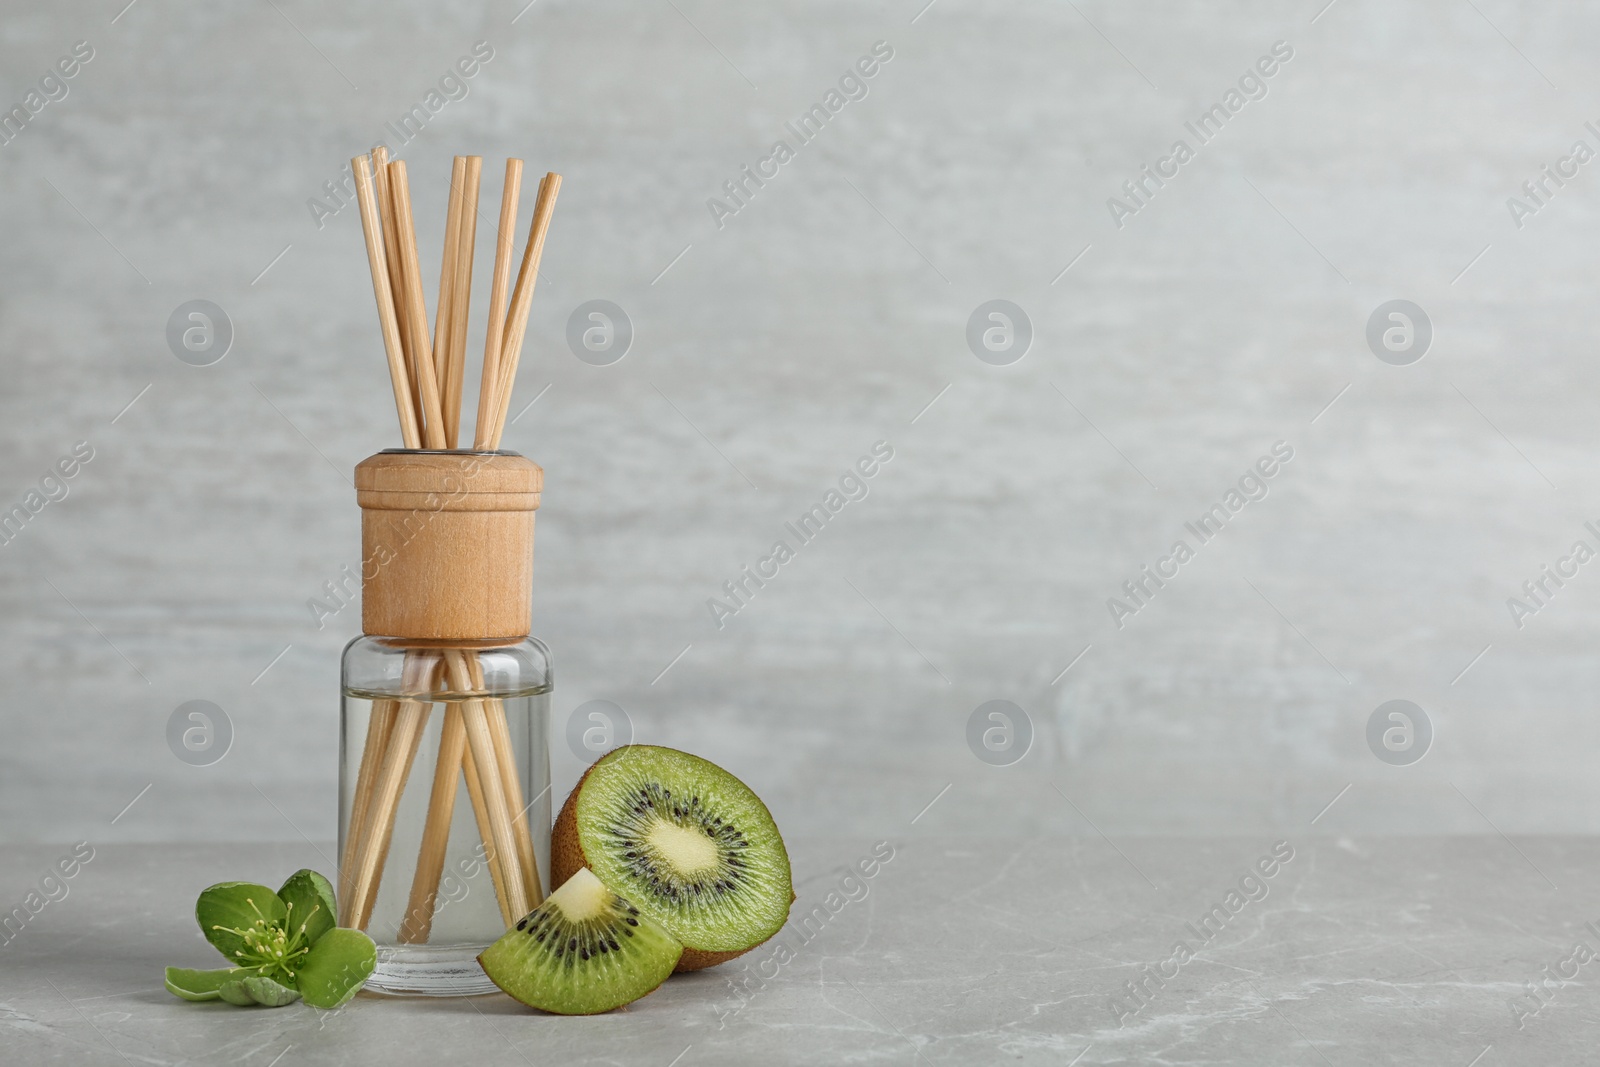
{"points": [[1252, 85], [1252, 486], [853, 86]]}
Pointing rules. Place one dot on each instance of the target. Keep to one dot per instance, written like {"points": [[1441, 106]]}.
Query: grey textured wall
{"points": [[1225, 314]]}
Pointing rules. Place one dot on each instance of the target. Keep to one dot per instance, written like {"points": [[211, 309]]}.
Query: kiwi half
{"points": [[685, 840], [584, 950]]}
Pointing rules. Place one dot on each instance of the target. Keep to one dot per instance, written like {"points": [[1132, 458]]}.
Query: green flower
{"points": [[284, 946]]}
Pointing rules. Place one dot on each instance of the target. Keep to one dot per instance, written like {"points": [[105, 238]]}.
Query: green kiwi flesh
{"points": [[689, 843], [584, 950]]}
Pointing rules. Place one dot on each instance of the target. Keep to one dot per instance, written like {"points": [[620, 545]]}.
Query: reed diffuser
{"points": [[447, 551]]}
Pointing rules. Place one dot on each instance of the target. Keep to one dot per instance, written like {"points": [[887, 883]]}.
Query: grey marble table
{"points": [[1451, 951]]}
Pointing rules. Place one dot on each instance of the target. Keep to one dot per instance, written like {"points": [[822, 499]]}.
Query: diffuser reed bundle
{"points": [[427, 374]]}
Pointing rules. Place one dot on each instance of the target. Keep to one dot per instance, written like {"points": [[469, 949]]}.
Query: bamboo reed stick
{"points": [[391, 247], [384, 831], [494, 333], [379, 725], [461, 302], [450, 331], [491, 858], [522, 301], [372, 228], [506, 364], [444, 316], [410, 717], [511, 782], [372, 837], [418, 921], [365, 814], [480, 737], [416, 311], [454, 756], [527, 865]]}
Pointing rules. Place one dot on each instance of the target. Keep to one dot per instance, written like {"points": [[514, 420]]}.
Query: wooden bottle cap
{"points": [[447, 544]]}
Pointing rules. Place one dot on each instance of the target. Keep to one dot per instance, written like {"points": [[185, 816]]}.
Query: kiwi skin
{"points": [[566, 856]]}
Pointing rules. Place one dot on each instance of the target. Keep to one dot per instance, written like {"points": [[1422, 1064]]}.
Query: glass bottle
{"points": [[444, 784]]}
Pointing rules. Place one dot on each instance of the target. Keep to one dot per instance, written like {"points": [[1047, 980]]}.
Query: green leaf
{"points": [[255, 989], [268, 993], [309, 899], [336, 967], [234, 992], [228, 907], [200, 985]]}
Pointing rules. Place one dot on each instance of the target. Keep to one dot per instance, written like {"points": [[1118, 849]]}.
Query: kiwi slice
{"points": [[584, 950], [685, 840]]}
